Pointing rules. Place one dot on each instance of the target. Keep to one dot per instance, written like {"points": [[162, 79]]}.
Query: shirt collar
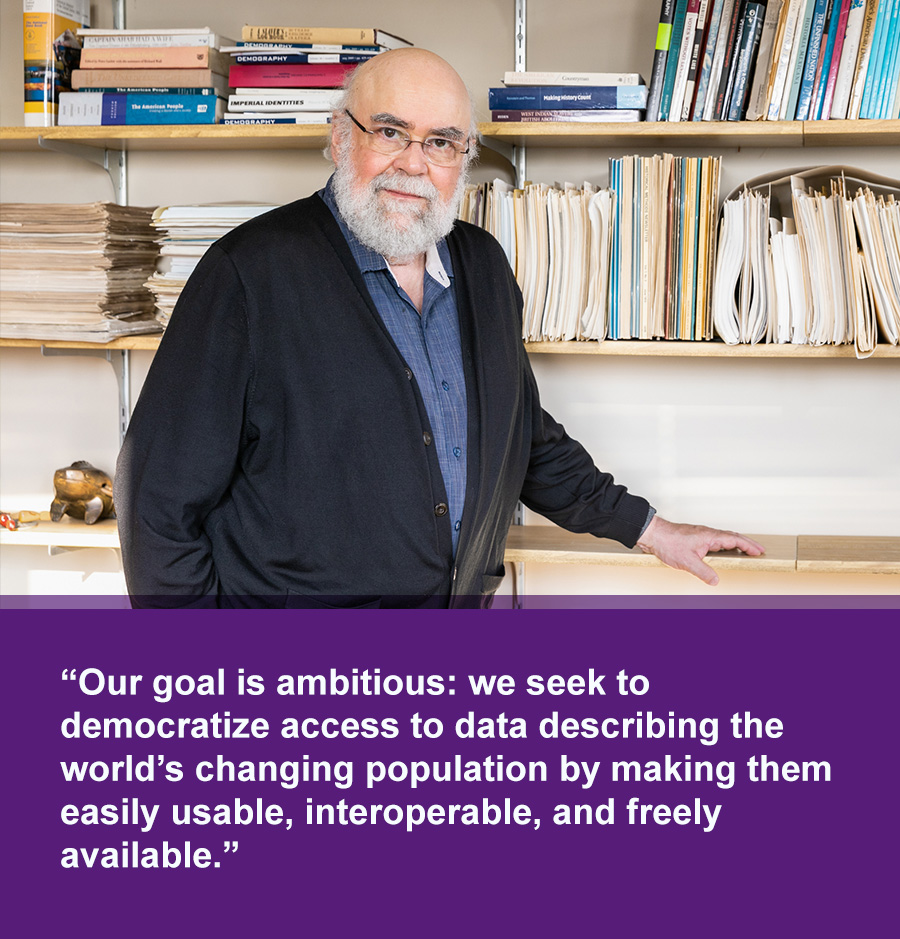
{"points": [[437, 257]]}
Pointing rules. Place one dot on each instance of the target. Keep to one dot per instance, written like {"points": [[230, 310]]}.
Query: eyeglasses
{"points": [[390, 140]]}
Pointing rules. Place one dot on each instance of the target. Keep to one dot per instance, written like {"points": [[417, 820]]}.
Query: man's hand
{"points": [[684, 546]]}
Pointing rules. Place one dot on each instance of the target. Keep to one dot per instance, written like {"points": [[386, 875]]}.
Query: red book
{"points": [[324, 75]]}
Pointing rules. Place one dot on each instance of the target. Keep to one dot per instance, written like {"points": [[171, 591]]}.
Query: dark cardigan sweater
{"points": [[277, 454]]}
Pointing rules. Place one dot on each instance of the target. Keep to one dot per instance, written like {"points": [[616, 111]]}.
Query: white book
{"points": [[598, 79], [306, 99], [152, 38], [718, 61], [756, 108], [780, 84], [849, 52]]}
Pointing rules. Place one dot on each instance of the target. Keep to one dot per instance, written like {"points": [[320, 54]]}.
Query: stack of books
{"points": [[51, 50], [75, 272], [776, 60], [135, 76], [291, 74], [587, 97], [184, 233]]}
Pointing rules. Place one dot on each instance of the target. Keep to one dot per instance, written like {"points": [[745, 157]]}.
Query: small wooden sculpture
{"points": [[82, 491]]}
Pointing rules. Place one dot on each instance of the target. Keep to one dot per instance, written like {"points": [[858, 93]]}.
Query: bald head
{"points": [[413, 74]]}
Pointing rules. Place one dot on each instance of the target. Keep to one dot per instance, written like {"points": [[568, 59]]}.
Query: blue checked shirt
{"points": [[430, 345]]}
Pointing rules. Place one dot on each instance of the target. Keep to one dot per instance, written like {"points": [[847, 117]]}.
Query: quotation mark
{"points": [[69, 674], [230, 847]]}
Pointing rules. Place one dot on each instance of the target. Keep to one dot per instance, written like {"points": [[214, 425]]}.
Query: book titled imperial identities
{"points": [[555, 98], [92, 108]]}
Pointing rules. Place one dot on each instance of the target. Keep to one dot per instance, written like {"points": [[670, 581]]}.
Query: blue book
{"points": [[813, 50], [672, 60], [834, 14], [876, 59], [751, 30], [567, 97], [887, 84], [92, 108], [150, 91], [303, 47]]}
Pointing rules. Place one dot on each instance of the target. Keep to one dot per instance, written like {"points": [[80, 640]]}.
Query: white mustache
{"points": [[409, 185]]}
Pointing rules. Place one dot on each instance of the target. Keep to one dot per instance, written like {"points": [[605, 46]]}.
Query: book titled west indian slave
{"points": [[51, 49], [88, 108], [327, 75], [568, 97], [337, 35], [586, 116]]}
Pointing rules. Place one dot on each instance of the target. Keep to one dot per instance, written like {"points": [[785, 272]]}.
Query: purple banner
{"points": [[533, 773]]}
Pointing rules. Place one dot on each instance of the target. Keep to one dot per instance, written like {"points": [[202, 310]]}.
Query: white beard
{"points": [[397, 229]]}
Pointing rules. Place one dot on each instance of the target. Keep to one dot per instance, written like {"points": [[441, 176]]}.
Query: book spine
{"points": [[718, 62], [672, 59], [273, 119], [302, 47], [813, 53], [764, 59], [707, 63], [823, 62], [750, 36], [862, 60], [345, 36], [96, 79], [726, 84], [799, 62], [301, 58], [885, 91], [568, 98], [160, 57], [299, 102], [873, 72], [48, 64], [685, 50], [95, 108], [783, 60], [831, 46], [696, 54], [91, 40], [126, 90], [849, 51], [611, 115], [533, 79], [726, 79], [288, 76], [835, 64]]}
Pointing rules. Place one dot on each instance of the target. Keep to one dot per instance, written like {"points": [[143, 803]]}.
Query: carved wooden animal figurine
{"points": [[82, 491]]}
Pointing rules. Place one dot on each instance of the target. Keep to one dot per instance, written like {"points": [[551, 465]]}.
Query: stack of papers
{"points": [[75, 272], [184, 232]]}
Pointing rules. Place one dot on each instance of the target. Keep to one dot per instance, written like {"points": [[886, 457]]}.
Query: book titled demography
{"points": [[567, 98], [91, 108]]}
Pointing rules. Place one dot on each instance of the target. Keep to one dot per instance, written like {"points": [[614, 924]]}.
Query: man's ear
{"points": [[338, 128]]}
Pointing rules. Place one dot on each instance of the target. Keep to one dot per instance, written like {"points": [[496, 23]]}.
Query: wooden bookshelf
{"points": [[697, 133], [149, 341], [829, 554], [549, 544], [674, 347], [314, 136], [66, 533], [546, 544], [173, 137]]}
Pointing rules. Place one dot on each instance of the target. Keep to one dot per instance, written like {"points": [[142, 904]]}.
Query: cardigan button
{"points": [[409, 373], [427, 438], [441, 509]]}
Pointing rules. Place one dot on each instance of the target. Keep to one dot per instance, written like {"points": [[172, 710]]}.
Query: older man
{"points": [[341, 412]]}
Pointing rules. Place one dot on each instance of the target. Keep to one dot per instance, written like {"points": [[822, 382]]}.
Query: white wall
{"points": [[767, 446]]}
